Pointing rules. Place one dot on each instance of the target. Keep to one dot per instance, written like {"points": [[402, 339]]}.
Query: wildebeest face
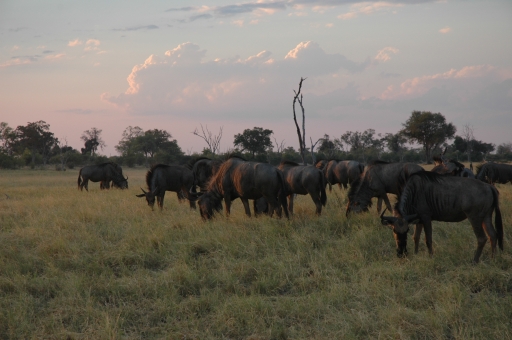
{"points": [[150, 198], [400, 227], [208, 204], [356, 206]]}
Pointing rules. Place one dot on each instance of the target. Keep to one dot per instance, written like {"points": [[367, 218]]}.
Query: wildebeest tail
{"points": [[282, 195], [79, 178], [323, 195], [498, 222]]}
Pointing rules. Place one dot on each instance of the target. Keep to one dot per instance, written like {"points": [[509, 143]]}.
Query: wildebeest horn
{"points": [[383, 212], [386, 220], [410, 218]]}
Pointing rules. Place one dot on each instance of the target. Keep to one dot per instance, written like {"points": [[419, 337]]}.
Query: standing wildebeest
{"points": [[378, 179], [303, 180], [429, 197], [340, 172], [237, 178], [494, 173], [103, 173], [161, 178]]}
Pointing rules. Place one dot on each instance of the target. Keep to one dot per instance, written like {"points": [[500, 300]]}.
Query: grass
{"points": [[102, 265]]}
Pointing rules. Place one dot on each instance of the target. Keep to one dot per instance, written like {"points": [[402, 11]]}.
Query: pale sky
{"points": [[177, 64]]}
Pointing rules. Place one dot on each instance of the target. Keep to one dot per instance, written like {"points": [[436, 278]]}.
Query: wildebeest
{"points": [[203, 169], [104, 173], [303, 180], [451, 168], [429, 197], [237, 178], [494, 173], [161, 178], [340, 172], [378, 179]]}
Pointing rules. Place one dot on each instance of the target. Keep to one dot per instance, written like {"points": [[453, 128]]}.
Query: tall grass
{"points": [[102, 265]]}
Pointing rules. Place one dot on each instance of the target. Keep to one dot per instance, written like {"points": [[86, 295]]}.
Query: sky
{"points": [[178, 65]]}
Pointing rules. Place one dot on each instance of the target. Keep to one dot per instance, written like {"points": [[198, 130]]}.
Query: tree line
{"points": [[422, 136]]}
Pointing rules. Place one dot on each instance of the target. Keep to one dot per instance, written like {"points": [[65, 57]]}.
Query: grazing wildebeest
{"points": [[161, 178], [494, 173], [303, 180], [104, 173], [378, 179], [237, 178], [429, 197], [340, 172], [451, 168]]}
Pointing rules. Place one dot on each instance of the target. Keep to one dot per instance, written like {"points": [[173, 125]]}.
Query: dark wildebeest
{"points": [[429, 197], [203, 169], [161, 178], [378, 179], [303, 180], [494, 173], [340, 172], [103, 173], [237, 178], [451, 168]]}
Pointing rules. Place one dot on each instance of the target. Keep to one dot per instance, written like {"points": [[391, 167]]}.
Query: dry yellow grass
{"points": [[102, 265]]}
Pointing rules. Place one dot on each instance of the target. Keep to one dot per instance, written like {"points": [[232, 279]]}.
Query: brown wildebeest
{"points": [[161, 178], [428, 197], [340, 172], [237, 178], [304, 180], [103, 173], [378, 179]]}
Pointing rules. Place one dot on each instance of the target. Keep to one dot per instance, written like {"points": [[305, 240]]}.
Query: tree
{"points": [[6, 138], [467, 134], [429, 130], [92, 140], [255, 141], [328, 147], [126, 145], [360, 142], [213, 141], [396, 144], [301, 135], [37, 138], [479, 149]]}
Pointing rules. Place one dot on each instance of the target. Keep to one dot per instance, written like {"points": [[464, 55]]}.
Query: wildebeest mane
{"points": [[149, 174], [357, 187], [406, 192], [194, 160]]}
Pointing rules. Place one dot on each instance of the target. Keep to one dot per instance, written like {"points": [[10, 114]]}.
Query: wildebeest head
{"points": [[121, 182], [400, 226], [208, 205], [359, 197], [150, 197]]}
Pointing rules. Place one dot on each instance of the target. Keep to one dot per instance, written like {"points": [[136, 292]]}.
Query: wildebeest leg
{"points": [[416, 237], [160, 201], [318, 204], [427, 225], [227, 202], [290, 203], [344, 186], [86, 184], [379, 204], [245, 202], [481, 237], [386, 200]]}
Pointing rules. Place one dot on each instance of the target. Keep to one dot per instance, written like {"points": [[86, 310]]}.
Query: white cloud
{"points": [[420, 85], [367, 8], [383, 55], [75, 42], [181, 82]]}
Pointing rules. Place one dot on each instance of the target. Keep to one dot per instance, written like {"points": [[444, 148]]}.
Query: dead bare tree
{"points": [[313, 158], [213, 141], [467, 134], [302, 136], [279, 146]]}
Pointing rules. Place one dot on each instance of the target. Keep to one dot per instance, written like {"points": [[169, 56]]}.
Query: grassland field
{"points": [[102, 265]]}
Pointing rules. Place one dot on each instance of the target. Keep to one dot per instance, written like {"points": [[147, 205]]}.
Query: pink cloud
{"points": [[75, 42], [445, 30]]}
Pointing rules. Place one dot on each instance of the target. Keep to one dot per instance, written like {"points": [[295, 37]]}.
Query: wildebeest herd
{"points": [[449, 192]]}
